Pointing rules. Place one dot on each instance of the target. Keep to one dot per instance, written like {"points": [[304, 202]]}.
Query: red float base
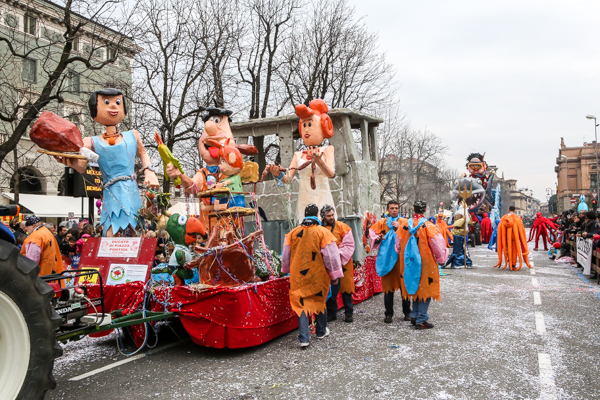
{"points": [[230, 317]]}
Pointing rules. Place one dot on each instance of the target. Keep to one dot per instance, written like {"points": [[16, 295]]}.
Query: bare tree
{"points": [[334, 57], [269, 26], [48, 47], [411, 164], [171, 86]]}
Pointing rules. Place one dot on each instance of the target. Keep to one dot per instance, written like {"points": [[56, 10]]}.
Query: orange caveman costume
{"points": [[345, 242], [420, 247], [444, 229], [41, 247], [311, 257]]}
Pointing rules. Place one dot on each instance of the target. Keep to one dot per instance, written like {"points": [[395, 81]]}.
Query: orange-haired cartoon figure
{"points": [[314, 126]]}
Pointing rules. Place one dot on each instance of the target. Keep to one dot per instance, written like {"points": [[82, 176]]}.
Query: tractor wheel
{"points": [[27, 328]]}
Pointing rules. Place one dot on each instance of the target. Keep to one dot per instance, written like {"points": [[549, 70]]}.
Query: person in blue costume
{"points": [[117, 151], [383, 235]]}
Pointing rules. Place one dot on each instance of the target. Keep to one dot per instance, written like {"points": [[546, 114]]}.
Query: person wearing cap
{"points": [[41, 247], [345, 242], [421, 247], [311, 257], [314, 126]]}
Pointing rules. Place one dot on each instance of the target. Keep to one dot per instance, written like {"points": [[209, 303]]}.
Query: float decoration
{"points": [[59, 137]]}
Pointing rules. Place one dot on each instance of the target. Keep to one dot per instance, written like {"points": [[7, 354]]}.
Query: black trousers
{"points": [[332, 302], [388, 301]]}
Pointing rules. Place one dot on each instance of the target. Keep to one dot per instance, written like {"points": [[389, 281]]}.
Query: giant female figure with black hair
{"points": [[117, 151]]}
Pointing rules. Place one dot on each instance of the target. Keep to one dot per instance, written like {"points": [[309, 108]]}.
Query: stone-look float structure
{"points": [[355, 187]]}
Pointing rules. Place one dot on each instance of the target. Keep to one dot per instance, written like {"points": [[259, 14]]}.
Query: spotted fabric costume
{"points": [[311, 257], [345, 242]]}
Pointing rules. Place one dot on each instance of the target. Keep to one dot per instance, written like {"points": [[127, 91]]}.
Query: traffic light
{"points": [[594, 204]]}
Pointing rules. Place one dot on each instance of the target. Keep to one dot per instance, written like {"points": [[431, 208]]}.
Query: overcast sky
{"points": [[508, 78]]}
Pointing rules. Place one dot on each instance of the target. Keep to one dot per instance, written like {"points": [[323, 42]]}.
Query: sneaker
{"points": [[303, 345], [424, 325], [325, 335], [349, 318], [388, 320], [407, 317], [413, 321]]}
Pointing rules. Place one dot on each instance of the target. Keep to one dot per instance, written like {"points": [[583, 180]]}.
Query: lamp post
{"points": [[595, 150], [567, 176]]}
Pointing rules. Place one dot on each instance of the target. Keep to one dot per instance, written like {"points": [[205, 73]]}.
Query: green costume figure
{"points": [[183, 232]]}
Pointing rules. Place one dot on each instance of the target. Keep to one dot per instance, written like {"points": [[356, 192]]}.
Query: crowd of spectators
{"points": [[572, 224]]}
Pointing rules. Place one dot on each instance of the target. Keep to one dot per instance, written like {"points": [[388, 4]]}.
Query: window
{"points": [[76, 43], [29, 70], [111, 53], [74, 82], [29, 24]]}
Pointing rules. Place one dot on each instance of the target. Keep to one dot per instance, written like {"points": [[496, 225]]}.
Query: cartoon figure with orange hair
{"points": [[314, 126], [230, 165]]}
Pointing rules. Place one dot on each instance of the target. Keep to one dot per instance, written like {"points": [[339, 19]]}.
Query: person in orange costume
{"points": [[444, 229], [420, 248], [512, 242], [41, 247], [345, 242], [311, 257], [390, 280]]}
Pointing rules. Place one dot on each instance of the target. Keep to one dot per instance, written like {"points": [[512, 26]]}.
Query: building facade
{"points": [[576, 173], [35, 28]]}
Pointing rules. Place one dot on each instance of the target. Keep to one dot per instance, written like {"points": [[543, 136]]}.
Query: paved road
{"points": [[491, 341]]}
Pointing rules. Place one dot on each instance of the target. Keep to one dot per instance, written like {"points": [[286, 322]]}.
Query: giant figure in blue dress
{"points": [[117, 151]]}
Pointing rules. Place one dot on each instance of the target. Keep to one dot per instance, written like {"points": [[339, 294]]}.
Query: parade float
{"points": [[222, 276]]}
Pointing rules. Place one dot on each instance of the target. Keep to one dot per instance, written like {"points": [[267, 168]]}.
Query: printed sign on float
{"points": [[584, 254], [119, 247], [124, 273]]}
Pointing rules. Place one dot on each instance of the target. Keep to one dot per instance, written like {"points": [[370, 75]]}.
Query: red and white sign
{"points": [[119, 247], [573, 201], [594, 195]]}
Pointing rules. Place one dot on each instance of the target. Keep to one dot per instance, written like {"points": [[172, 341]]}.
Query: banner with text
{"points": [[119, 247], [584, 254]]}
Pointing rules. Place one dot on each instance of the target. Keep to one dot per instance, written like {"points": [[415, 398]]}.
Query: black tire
{"points": [[20, 282]]}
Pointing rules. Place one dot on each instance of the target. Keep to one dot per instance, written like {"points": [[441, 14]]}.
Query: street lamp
{"points": [[596, 150], [567, 174]]}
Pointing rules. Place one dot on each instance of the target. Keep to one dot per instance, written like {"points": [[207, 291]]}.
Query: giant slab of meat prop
{"points": [[59, 137], [229, 265]]}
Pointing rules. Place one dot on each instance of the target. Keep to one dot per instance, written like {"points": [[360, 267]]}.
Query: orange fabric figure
{"points": [[444, 229], [512, 243], [429, 284], [50, 259], [347, 282], [309, 278]]}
